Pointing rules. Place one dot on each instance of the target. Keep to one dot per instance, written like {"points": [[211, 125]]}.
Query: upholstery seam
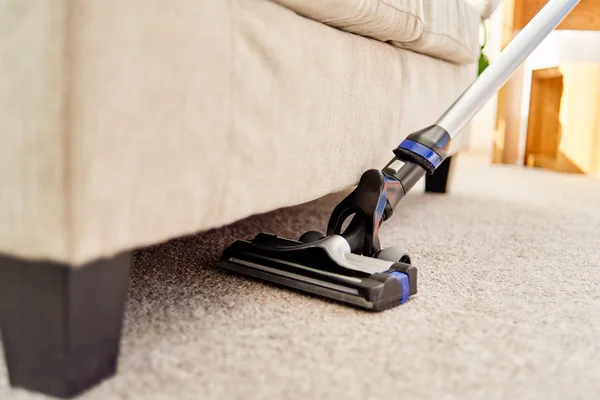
{"points": [[66, 128], [420, 21], [460, 44], [232, 89]]}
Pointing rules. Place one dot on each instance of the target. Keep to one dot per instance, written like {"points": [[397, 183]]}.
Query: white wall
{"points": [[558, 47], [483, 123]]}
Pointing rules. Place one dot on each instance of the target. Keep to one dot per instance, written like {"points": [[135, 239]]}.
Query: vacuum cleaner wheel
{"points": [[394, 254], [311, 236]]}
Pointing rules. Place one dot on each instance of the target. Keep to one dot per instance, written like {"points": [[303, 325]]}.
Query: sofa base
{"points": [[61, 325], [439, 182]]}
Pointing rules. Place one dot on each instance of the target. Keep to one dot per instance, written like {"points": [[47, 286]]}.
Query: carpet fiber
{"points": [[508, 306]]}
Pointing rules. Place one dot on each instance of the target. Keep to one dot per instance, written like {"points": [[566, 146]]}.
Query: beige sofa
{"points": [[127, 123]]}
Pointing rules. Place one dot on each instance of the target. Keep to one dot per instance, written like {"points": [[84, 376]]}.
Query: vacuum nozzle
{"points": [[326, 267]]}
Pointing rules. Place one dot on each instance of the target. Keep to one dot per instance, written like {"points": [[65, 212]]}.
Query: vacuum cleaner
{"points": [[347, 264]]}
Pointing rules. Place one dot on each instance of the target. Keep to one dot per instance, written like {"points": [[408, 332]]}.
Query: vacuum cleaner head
{"points": [[349, 266], [325, 267]]}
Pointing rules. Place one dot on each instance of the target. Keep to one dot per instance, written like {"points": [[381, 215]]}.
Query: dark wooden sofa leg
{"points": [[439, 182], [61, 325]]}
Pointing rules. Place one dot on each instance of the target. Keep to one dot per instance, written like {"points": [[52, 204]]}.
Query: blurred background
{"points": [[561, 121]]}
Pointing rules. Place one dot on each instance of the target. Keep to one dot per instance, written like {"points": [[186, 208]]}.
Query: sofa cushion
{"points": [[384, 20], [445, 29], [450, 31]]}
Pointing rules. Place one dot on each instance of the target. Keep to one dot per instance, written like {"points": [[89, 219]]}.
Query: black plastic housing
{"points": [[434, 140], [310, 269]]}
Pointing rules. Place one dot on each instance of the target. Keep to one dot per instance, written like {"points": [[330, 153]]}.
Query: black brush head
{"points": [[324, 268]]}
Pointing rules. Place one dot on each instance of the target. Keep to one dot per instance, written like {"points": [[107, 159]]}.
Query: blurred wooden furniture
{"points": [[563, 132], [517, 13]]}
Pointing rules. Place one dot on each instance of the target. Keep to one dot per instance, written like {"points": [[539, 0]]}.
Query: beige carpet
{"points": [[509, 306]]}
